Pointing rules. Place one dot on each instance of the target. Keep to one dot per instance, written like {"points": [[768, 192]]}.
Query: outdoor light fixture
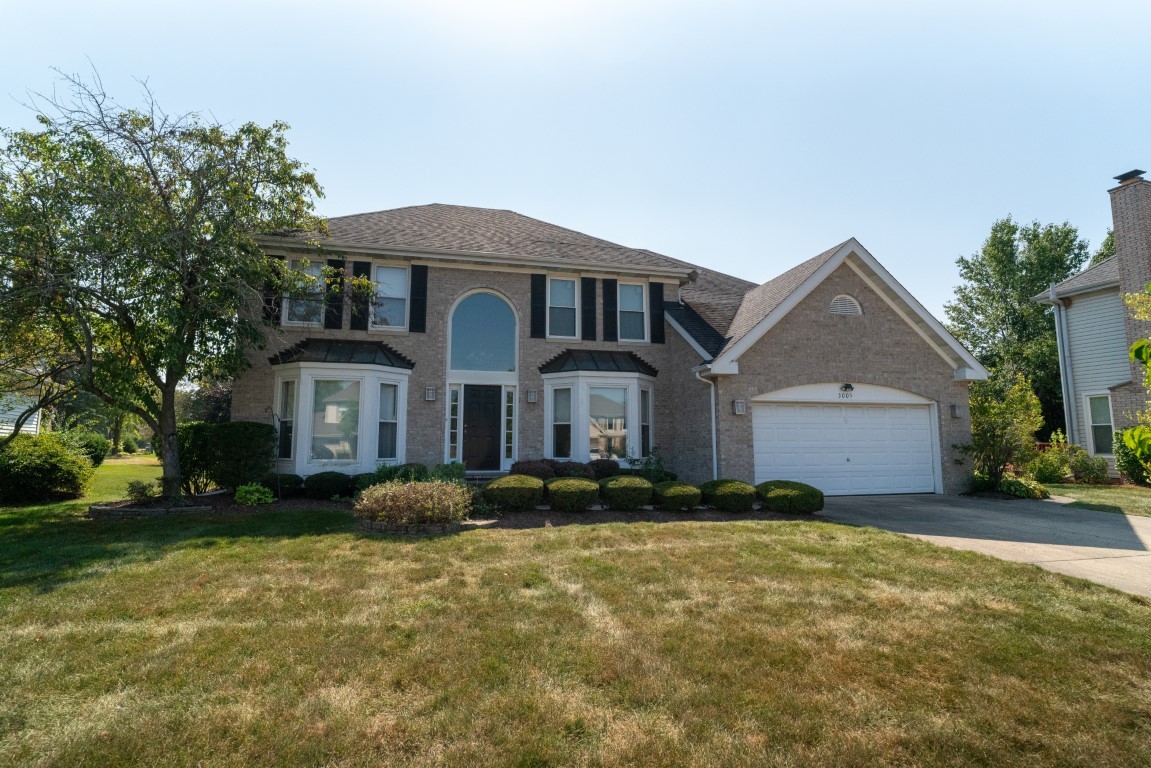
{"points": [[846, 388], [739, 407], [532, 396], [955, 414], [429, 393]]}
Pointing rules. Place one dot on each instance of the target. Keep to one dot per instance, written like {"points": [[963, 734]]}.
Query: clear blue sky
{"points": [[744, 136]]}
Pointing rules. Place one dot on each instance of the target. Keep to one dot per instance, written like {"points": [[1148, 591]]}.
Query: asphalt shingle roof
{"points": [[1102, 275], [337, 351], [598, 360]]}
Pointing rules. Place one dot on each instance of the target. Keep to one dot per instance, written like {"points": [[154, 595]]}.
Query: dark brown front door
{"points": [[481, 427]]}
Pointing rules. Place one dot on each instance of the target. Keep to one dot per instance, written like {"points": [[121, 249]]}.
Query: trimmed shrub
{"points": [[601, 468], [412, 472], [384, 473], [325, 485], [1050, 466], [42, 467], [728, 495], [674, 496], [542, 469], [142, 491], [627, 494], [245, 453], [128, 445], [790, 496], [455, 472], [572, 494], [254, 494], [87, 443], [1128, 462], [1087, 469], [571, 469], [415, 503], [286, 485], [514, 493], [198, 455], [1022, 488]]}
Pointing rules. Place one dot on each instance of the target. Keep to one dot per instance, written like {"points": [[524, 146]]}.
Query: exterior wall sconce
{"points": [[739, 407], [846, 388], [429, 393], [533, 396], [955, 411]]}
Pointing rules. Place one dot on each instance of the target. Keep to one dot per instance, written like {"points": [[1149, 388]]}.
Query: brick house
{"points": [[494, 337], [1103, 389]]}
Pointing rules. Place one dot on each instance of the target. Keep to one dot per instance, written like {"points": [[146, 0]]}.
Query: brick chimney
{"points": [[1131, 219]]}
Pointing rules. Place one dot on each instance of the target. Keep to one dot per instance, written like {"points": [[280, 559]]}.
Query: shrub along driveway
{"points": [[1105, 547]]}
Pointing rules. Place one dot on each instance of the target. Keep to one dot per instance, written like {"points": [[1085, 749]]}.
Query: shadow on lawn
{"points": [[44, 548]]}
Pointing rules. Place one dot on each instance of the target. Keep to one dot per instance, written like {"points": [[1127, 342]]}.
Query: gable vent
{"points": [[845, 305]]}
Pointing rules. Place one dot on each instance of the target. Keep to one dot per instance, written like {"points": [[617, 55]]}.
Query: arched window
{"points": [[483, 335], [845, 305]]}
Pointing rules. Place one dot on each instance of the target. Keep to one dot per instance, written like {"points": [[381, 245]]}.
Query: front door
{"points": [[481, 449]]}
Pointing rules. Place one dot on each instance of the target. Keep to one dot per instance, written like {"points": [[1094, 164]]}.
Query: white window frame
{"points": [[372, 326], [278, 409], [286, 302], [465, 376], [380, 385], [575, 281], [551, 423], [370, 377], [581, 383], [650, 420], [619, 310], [1091, 425]]}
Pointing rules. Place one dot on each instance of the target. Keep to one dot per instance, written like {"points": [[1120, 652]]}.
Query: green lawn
{"points": [[285, 638], [1128, 499]]}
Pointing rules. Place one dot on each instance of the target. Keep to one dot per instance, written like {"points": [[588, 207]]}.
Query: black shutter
{"points": [[655, 301], [610, 316], [361, 303], [539, 320], [587, 306], [418, 311], [334, 297]]}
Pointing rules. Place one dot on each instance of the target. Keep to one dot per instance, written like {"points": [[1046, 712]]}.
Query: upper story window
{"points": [[483, 335], [562, 320], [306, 307], [632, 314], [390, 306]]}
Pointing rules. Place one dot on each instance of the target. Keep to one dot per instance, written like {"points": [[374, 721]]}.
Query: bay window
{"points": [[614, 409], [388, 422], [335, 420], [562, 423], [287, 416]]}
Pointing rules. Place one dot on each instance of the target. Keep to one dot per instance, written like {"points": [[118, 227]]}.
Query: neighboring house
{"points": [[11, 408], [1102, 388], [495, 337]]}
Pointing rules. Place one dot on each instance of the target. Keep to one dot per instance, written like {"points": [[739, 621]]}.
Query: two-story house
{"points": [[494, 337], [1103, 389]]}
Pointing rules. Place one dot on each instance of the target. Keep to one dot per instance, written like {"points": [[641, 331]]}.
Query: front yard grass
{"points": [[1127, 499], [285, 638]]}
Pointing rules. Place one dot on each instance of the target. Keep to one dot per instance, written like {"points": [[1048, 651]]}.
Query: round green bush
{"points": [[572, 494], [286, 485], [128, 445], [626, 494], [790, 497], [40, 468], [540, 468], [87, 443], [514, 493], [571, 469], [415, 503], [674, 496], [325, 485], [254, 494], [728, 495], [601, 468]]}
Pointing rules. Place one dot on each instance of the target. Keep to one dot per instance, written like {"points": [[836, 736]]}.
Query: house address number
{"points": [[845, 395]]}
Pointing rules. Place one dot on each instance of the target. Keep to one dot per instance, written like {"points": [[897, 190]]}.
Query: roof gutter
{"points": [[447, 255]]}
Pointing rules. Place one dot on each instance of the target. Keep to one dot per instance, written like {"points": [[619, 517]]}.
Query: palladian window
{"points": [[483, 335]]}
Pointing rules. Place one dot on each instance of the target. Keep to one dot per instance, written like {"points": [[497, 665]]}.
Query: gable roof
{"points": [[1105, 274], [500, 235], [766, 305]]}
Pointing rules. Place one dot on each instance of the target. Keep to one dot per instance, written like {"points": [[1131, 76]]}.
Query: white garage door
{"points": [[845, 449]]}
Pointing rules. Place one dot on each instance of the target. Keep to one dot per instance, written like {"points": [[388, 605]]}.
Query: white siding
{"points": [[12, 406], [1097, 342]]}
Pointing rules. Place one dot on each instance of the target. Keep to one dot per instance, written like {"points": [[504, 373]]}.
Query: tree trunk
{"points": [[117, 429], [170, 450]]}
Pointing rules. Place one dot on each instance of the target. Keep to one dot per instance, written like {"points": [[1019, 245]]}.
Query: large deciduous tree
{"points": [[993, 313], [128, 236]]}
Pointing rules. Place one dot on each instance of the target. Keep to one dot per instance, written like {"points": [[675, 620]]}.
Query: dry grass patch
{"points": [[284, 638]]}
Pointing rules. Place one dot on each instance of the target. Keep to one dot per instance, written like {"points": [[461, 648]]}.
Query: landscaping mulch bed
{"points": [[221, 503]]}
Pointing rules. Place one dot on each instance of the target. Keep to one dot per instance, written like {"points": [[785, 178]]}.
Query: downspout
{"points": [[1064, 347], [714, 443]]}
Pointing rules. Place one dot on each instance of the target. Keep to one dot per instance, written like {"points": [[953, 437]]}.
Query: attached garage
{"points": [[862, 440]]}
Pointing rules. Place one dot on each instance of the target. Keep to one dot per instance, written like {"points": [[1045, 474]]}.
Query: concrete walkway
{"points": [[1105, 547]]}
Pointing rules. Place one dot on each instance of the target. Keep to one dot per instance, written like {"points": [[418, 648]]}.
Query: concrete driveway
{"points": [[1105, 547]]}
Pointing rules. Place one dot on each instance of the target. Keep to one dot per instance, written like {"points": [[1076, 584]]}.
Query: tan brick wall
{"points": [[253, 392], [810, 345]]}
